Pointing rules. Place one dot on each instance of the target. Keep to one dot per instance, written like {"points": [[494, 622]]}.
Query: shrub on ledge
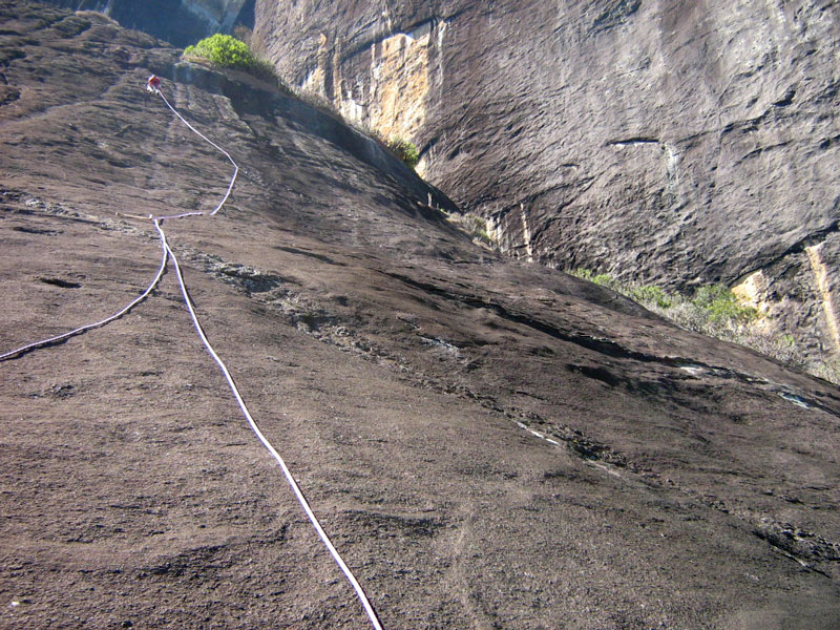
{"points": [[224, 51], [405, 150]]}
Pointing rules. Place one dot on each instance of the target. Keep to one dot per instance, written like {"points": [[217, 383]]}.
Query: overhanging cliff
{"points": [[181, 22]]}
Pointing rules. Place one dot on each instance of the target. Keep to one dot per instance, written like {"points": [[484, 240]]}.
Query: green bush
{"points": [[711, 307], [225, 51], [722, 307], [405, 150], [480, 231], [601, 279], [649, 293], [604, 280], [583, 274]]}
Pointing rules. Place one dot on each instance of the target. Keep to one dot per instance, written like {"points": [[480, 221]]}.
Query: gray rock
{"points": [[181, 22], [681, 143], [491, 444]]}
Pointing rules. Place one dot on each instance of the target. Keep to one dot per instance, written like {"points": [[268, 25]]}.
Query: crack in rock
{"points": [[797, 542]]}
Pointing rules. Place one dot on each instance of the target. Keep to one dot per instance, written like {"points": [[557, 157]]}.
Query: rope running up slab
{"points": [[166, 254], [322, 534], [278, 458]]}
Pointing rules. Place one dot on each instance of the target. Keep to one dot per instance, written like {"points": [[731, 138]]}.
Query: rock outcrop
{"points": [[182, 22], [679, 143], [490, 443]]}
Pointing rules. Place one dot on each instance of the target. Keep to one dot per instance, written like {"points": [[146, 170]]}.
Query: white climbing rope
{"points": [[286, 472], [78, 331], [216, 146], [166, 254], [322, 534]]}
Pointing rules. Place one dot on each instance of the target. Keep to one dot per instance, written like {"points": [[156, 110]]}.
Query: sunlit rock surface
{"points": [[489, 443], [680, 143]]}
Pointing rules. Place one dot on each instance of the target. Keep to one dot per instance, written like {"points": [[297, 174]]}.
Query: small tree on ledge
{"points": [[224, 51]]}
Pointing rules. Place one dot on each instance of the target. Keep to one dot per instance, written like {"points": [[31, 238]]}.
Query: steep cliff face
{"points": [[490, 444], [381, 65], [181, 22], [681, 143]]}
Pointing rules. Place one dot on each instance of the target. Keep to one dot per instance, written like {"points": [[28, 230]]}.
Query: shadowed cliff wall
{"points": [[681, 142], [181, 22]]}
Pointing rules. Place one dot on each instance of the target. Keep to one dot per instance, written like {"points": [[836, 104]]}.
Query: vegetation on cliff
{"points": [[405, 150], [224, 51], [474, 226], [715, 311], [712, 310]]}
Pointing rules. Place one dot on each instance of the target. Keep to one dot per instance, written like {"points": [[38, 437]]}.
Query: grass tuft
{"points": [[405, 150]]}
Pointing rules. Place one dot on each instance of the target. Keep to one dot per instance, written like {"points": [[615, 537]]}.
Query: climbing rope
{"points": [[322, 534], [166, 254], [82, 329], [217, 147], [286, 472]]}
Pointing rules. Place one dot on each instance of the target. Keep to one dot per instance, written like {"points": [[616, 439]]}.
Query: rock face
{"points": [[181, 22], [680, 143], [490, 444]]}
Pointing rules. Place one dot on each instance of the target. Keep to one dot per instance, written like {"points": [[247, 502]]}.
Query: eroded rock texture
{"points": [[677, 142], [490, 444]]}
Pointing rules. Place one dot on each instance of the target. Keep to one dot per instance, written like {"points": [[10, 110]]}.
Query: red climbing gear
{"points": [[153, 84]]}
